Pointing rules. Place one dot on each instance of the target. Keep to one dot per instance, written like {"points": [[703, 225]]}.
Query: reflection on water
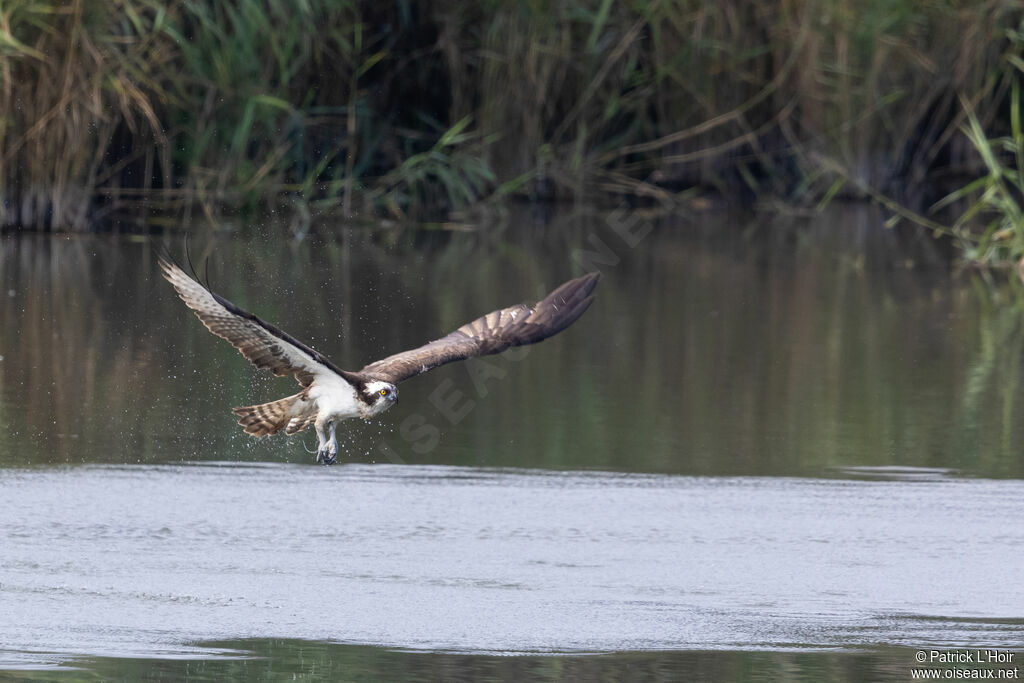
{"points": [[845, 407], [277, 660], [711, 349]]}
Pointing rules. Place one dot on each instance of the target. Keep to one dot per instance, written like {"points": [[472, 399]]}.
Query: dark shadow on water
{"points": [[286, 660]]}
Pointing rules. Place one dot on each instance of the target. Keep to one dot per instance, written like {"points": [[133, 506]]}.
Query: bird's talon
{"points": [[326, 457]]}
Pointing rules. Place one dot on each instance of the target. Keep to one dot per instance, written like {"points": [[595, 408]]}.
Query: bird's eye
{"points": [[383, 392]]}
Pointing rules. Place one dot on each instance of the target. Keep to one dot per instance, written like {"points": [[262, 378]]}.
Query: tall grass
{"points": [[412, 109], [993, 201], [66, 91]]}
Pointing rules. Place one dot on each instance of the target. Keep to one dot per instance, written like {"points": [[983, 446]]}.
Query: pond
{"points": [[771, 449]]}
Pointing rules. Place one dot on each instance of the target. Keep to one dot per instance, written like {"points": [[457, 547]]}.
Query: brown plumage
{"points": [[292, 414], [264, 345], [493, 333]]}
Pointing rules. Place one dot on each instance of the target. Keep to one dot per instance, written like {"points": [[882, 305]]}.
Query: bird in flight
{"points": [[330, 394]]}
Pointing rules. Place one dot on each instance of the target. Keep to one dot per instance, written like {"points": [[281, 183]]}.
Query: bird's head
{"points": [[380, 395]]}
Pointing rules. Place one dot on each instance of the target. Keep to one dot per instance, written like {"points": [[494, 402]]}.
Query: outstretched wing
{"points": [[493, 333], [266, 346]]}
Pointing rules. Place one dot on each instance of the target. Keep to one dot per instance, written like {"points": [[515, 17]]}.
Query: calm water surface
{"points": [[767, 452]]}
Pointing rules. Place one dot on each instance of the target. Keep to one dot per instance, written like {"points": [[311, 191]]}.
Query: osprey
{"points": [[330, 394]]}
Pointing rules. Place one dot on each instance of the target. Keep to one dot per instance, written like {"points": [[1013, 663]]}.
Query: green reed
{"points": [[181, 107], [992, 220]]}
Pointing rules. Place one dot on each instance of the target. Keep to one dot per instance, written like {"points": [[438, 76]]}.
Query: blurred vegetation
{"points": [[168, 108]]}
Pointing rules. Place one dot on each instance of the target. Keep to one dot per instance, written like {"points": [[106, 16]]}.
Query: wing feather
{"points": [[493, 333], [264, 345]]}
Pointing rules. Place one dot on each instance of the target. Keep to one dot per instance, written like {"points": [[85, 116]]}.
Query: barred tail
{"points": [[292, 414]]}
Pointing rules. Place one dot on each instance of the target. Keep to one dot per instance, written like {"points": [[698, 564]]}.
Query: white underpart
{"points": [[336, 400]]}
